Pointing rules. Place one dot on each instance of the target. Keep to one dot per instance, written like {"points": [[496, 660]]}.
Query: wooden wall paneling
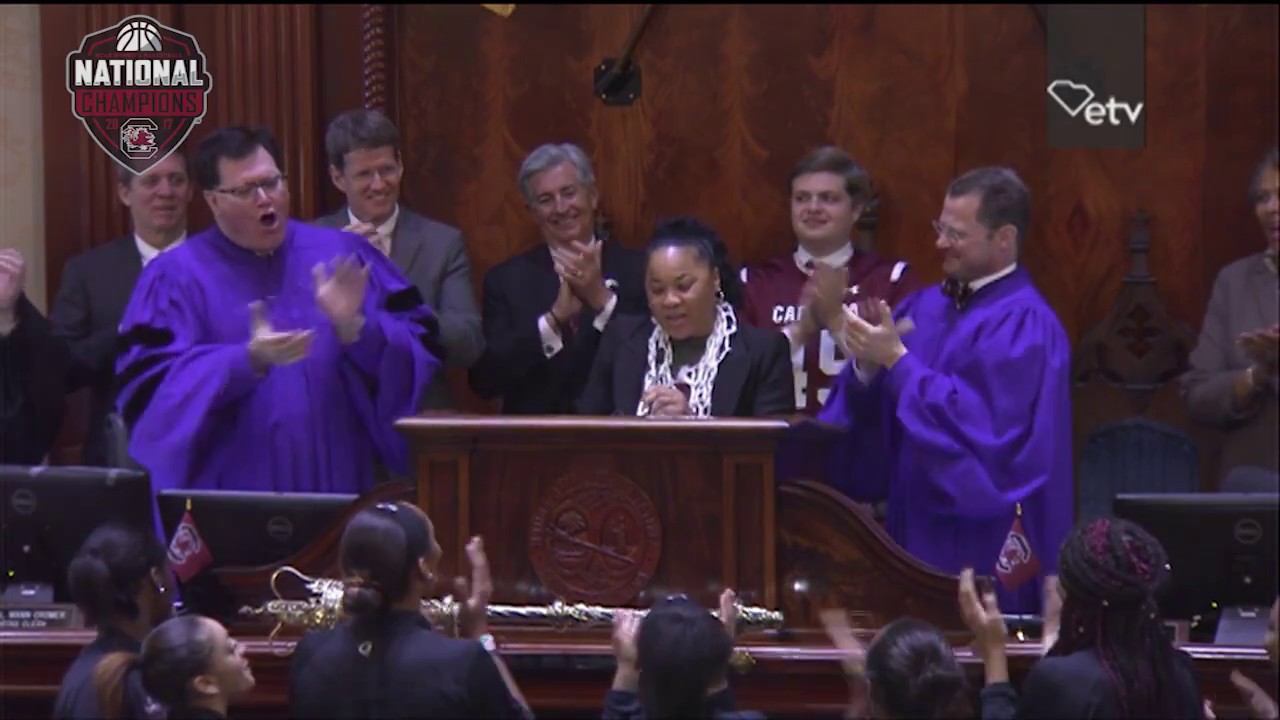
{"points": [[263, 59], [340, 84], [1240, 59]]}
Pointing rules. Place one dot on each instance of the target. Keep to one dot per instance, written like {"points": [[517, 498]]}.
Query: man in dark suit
{"points": [[363, 147], [33, 368], [545, 309], [96, 285]]}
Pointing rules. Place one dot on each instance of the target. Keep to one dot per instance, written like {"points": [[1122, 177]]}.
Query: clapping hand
{"points": [[340, 296], [473, 615], [13, 276], [1263, 348], [982, 616], [872, 336], [579, 265], [854, 660], [1052, 614], [267, 347]]}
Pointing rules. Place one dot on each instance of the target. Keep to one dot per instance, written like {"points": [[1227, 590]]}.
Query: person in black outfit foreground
{"points": [[189, 663], [119, 581], [1113, 657], [386, 660]]}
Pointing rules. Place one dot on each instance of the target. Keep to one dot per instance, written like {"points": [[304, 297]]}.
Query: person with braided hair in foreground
{"points": [[1113, 657], [188, 663], [691, 357]]}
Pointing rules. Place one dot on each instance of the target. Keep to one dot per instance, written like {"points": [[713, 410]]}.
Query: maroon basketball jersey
{"points": [[772, 291]]}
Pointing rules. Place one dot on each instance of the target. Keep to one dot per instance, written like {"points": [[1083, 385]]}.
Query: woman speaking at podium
{"points": [[690, 357]]}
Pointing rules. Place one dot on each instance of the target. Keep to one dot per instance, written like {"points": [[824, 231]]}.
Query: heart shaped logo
{"points": [[1071, 96]]}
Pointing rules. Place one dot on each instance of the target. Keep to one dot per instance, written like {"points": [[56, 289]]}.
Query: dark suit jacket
{"points": [[1077, 686], [409, 672], [754, 379], [516, 293], [1243, 300], [433, 256], [33, 402], [91, 300]]}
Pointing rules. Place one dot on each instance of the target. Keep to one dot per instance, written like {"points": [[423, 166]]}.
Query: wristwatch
{"points": [[490, 645]]}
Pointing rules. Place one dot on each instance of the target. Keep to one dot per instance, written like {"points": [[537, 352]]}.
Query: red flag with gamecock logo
{"points": [[1017, 562], [188, 554]]}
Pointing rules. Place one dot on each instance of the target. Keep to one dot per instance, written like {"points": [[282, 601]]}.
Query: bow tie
{"points": [[960, 293]]}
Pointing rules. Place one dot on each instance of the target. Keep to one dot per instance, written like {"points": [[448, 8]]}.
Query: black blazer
{"points": [[516, 293], [91, 300], [1077, 686], [754, 380], [409, 672], [33, 397]]}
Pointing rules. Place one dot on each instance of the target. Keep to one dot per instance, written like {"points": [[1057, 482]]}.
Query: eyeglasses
{"points": [[949, 232], [244, 192]]}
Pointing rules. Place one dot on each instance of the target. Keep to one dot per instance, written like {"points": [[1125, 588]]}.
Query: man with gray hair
{"points": [[545, 309], [363, 148]]}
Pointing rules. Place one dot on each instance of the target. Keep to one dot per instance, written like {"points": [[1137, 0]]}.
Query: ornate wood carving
{"points": [[1138, 347], [374, 51]]}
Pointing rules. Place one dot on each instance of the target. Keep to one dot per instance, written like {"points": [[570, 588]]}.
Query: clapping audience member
{"points": [[1261, 705], [674, 663], [120, 583], [909, 671], [1113, 657], [385, 660], [189, 664]]}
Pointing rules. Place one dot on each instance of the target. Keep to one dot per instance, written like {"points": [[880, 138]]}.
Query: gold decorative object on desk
{"points": [[323, 609]]}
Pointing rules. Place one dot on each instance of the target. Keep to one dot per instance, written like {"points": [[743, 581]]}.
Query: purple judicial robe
{"points": [[201, 418], [974, 419]]}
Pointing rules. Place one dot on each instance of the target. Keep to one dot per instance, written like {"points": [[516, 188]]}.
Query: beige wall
{"points": [[21, 143]]}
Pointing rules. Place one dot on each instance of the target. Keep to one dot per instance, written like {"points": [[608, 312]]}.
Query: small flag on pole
{"points": [[188, 554], [1017, 562]]}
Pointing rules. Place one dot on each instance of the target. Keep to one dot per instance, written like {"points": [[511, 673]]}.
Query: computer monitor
{"points": [[252, 529], [1221, 547], [48, 513]]}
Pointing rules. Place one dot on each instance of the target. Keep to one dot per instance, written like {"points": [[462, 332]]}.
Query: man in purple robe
{"points": [[265, 353], [958, 405]]}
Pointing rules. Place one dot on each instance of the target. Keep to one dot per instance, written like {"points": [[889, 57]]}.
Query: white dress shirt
{"points": [[382, 234], [149, 251]]}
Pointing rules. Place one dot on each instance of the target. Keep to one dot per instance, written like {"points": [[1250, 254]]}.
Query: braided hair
{"points": [[1111, 571]]}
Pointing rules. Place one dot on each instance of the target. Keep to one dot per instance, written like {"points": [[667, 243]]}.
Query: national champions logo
{"points": [[139, 88]]}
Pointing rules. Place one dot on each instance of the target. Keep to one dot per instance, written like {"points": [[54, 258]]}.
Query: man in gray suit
{"points": [[363, 148], [1233, 381]]}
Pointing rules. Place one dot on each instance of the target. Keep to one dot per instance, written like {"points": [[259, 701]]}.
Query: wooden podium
{"points": [[623, 511], [620, 512]]}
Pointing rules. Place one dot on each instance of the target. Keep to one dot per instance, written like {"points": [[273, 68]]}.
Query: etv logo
{"points": [[1074, 97]]}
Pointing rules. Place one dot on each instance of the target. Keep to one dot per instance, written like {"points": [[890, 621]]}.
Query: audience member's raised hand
{"points": [[1052, 614], [729, 611], [473, 613], [626, 625], [983, 618], [1261, 705], [853, 659]]}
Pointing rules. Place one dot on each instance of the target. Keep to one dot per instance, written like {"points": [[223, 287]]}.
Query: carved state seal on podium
{"points": [[595, 538]]}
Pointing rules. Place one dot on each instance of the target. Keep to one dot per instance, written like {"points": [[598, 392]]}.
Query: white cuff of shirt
{"points": [[603, 317], [865, 376], [551, 342]]}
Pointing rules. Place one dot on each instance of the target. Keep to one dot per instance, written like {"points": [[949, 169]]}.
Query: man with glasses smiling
{"points": [[265, 353], [964, 424], [365, 164]]}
